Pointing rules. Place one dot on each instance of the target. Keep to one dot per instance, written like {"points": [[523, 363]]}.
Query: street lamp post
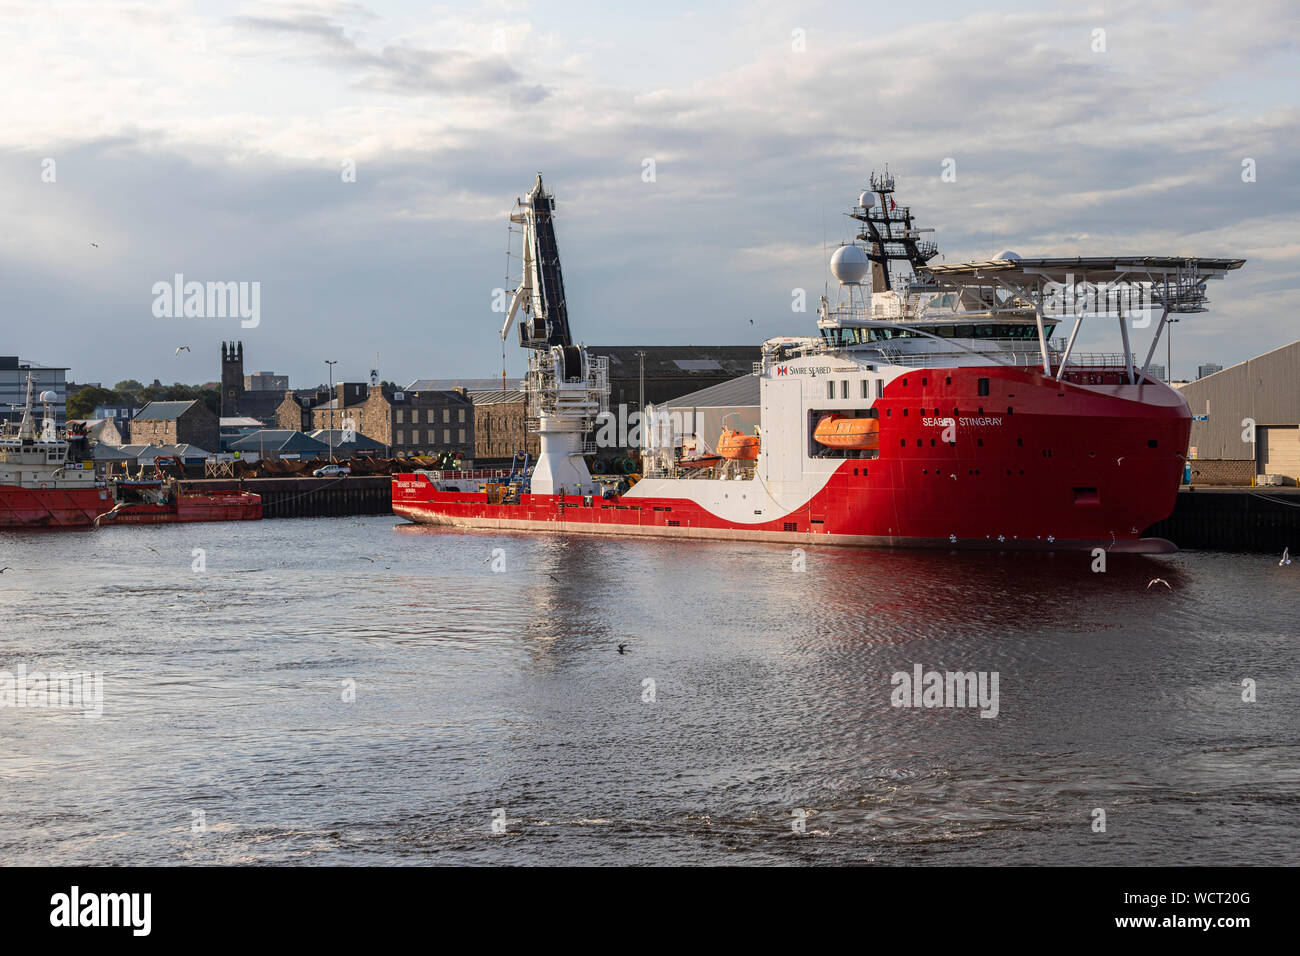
{"points": [[331, 363], [1169, 351], [641, 397]]}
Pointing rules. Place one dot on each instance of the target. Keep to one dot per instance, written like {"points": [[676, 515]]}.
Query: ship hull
{"points": [[52, 507], [192, 508], [970, 458], [79, 507]]}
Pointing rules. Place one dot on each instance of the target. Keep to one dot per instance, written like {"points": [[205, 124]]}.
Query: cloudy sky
{"points": [[211, 139]]}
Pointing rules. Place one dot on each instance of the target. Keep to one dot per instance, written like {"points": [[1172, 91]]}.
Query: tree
{"points": [[82, 404], [129, 390]]}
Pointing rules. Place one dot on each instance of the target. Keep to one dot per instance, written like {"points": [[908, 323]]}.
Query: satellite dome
{"points": [[49, 398], [1009, 255], [850, 264], [866, 200]]}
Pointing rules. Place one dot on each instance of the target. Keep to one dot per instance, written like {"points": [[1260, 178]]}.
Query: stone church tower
{"points": [[232, 378]]}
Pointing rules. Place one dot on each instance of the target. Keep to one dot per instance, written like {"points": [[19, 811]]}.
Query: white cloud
{"points": [[240, 121]]}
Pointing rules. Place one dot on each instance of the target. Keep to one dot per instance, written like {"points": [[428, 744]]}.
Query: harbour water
{"points": [[748, 720]]}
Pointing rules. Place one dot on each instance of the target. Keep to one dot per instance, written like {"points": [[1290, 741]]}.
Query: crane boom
{"points": [[541, 288], [566, 389]]}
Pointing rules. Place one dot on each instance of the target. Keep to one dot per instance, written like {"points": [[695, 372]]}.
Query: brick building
{"points": [[405, 422], [176, 423], [408, 422], [499, 424]]}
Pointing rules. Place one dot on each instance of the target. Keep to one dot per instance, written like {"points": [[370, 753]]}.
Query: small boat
{"points": [[737, 446], [699, 461], [840, 431]]}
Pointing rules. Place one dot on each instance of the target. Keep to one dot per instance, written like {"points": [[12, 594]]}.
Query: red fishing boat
{"points": [[48, 481]]}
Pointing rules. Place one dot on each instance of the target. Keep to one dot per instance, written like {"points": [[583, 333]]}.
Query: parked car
{"points": [[329, 471]]}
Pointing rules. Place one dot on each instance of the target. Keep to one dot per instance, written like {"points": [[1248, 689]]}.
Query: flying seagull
{"points": [[95, 244], [1155, 581], [3, 570], [1286, 556], [182, 348], [622, 648]]}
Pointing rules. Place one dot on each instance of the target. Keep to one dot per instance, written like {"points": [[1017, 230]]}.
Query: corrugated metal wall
{"points": [[1266, 388]]}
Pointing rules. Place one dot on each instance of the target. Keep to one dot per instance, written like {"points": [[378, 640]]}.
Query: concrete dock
{"points": [[310, 497], [1226, 518]]}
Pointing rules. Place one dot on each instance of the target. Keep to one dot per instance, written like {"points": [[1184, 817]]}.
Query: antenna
{"points": [[826, 285]]}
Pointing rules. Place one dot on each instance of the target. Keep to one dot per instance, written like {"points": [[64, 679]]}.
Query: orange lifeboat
{"points": [[839, 431], [737, 446]]}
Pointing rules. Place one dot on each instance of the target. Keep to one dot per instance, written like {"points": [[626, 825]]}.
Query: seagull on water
{"points": [[1155, 581], [622, 648]]}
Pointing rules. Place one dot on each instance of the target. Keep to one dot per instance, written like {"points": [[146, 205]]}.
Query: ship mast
{"points": [[566, 389], [890, 234], [27, 430]]}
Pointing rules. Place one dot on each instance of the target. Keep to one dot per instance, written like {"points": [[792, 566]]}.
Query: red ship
{"points": [[45, 483], [988, 432]]}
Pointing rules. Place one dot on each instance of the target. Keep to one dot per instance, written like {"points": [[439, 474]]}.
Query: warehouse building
{"points": [[671, 371], [1249, 420], [13, 387], [702, 415]]}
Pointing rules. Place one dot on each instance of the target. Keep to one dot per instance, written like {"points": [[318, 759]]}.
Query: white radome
{"points": [[49, 398], [867, 200], [1009, 256], [850, 265]]}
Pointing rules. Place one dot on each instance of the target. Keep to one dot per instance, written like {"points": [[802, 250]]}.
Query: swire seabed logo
{"points": [[208, 300]]}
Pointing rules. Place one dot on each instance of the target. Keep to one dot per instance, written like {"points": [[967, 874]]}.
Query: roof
{"points": [[737, 393], [679, 361], [164, 411], [240, 422], [102, 452], [497, 396], [335, 437], [473, 384], [409, 397], [280, 440]]}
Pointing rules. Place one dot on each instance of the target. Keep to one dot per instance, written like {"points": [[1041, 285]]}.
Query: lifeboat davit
{"points": [[840, 431], [737, 446]]}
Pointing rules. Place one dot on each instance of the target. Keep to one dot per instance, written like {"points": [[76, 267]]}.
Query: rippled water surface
{"points": [[478, 691]]}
